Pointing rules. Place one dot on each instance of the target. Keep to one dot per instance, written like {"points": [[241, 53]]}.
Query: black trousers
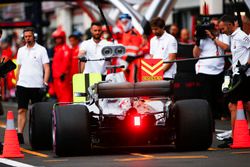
{"points": [[211, 91]]}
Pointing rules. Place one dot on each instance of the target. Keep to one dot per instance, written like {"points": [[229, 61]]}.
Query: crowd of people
{"points": [[34, 74], [137, 46]]}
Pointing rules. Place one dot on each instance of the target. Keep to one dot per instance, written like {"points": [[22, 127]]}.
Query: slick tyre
{"points": [[71, 130], [194, 128], [40, 136]]}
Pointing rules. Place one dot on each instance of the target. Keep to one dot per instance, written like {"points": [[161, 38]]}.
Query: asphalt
{"points": [[131, 157]]}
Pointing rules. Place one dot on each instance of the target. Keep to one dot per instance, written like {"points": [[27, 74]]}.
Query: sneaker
{"points": [[225, 135], [20, 138], [226, 144]]}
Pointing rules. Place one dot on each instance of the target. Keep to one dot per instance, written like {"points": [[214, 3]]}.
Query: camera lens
{"points": [[120, 50], [107, 51]]}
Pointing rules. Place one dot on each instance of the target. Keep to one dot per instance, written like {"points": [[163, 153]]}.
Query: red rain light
{"points": [[137, 121]]}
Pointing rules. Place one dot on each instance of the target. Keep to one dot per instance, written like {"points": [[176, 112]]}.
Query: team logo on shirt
{"points": [[246, 39]]}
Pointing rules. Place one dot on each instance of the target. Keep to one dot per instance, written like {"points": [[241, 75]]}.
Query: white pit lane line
{"points": [[13, 163]]}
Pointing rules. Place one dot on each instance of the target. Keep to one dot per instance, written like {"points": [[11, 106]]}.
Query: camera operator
{"points": [[210, 71], [91, 49]]}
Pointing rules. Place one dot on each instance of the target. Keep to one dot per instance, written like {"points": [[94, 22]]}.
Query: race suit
{"points": [[61, 73], [132, 40], [74, 62]]}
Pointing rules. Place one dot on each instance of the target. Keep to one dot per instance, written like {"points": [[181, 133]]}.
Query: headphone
{"points": [[35, 35]]}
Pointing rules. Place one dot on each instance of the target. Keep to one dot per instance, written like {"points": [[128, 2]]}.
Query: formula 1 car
{"points": [[122, 114], [76, 128]]}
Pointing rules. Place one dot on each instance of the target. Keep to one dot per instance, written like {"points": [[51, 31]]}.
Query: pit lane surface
{"points": [[129, 157]]}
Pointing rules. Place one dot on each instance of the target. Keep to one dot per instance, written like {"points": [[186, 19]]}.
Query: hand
{"points": [[44, 89], [210, 35], [228, 73], [243, 68], [108, 58], [62, 77], [151, 56], [129, 59], [83, 59]]}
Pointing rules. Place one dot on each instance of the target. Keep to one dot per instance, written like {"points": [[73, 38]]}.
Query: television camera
{"points": [[203, 24], [200, 30], [108, 52], [6, 67]]}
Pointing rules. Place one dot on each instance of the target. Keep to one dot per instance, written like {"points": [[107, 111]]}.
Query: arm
{"points": [[151, 49], [82, 67], [196, 51], [244, 67], [217, 42], [66, 63], [18, 72], [46, 73], [82, 64], [166, 66], [222, 45], [172, 51], [247, 45]]}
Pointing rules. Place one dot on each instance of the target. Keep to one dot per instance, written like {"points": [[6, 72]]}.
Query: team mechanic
{"points": [[240, 48], [132, 40], [32, 74], [61, 67], [91, 49], [163, 46], [1, 106]]}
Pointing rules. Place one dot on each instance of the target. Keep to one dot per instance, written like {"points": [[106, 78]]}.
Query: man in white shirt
{"points": [[210, 72], [32, 75], [91, 49], [1, 106], [163, 46], [240, 48]]}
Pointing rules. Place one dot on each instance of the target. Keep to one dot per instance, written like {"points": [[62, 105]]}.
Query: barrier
{"points": [[241, 137], [11, 148]]}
